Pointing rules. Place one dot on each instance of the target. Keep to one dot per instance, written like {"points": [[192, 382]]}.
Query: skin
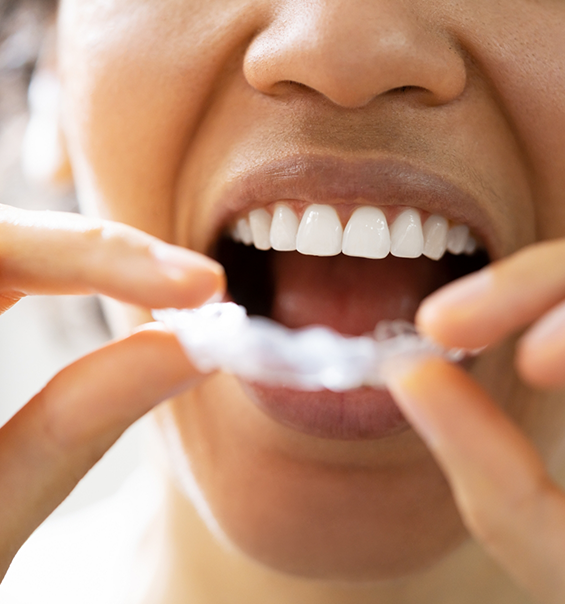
{"points": [[163, 102]]}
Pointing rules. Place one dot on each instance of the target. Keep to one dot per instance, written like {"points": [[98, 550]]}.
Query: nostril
{"points": [[403, 89], [295, 84], [415, 94], [286, 87], [409, 90]]}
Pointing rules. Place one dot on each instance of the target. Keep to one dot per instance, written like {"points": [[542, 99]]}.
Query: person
{"points": [[181, 119]]}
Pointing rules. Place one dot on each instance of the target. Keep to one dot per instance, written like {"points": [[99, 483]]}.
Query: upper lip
{"points": [[331, 180]]}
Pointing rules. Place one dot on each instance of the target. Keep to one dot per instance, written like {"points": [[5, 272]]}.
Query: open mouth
{"points": [[347, 265], [303, 267]]}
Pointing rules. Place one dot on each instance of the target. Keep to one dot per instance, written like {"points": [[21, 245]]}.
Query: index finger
{"points": [[484, 307], [60, 253]]}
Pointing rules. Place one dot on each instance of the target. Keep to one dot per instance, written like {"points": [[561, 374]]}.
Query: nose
{"points": [[352, 51]]}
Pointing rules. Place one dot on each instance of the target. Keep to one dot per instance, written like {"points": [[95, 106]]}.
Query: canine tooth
{"points": [[406, 237], [260, 223], [284, 228], [244, 231], [470, 246], [235, 234], [435, 236], [366, 234], [457, 238], [320, 231]]}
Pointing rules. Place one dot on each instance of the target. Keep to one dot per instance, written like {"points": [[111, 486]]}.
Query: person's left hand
{"points": [[504, 493]]}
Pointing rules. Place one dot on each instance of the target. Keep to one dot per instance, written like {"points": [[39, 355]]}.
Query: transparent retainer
{"points": [[222, 336]]}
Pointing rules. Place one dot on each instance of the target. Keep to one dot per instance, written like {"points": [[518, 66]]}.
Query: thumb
{"points": [[48, 446]]}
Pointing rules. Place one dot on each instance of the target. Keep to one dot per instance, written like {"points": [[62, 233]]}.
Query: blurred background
{"points": [[40, 335]]}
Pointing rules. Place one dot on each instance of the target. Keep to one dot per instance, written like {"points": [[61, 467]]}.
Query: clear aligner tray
{"points": [[222, 336]]}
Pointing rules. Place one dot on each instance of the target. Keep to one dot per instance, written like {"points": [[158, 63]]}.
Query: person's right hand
{"points": [[48, 446]]}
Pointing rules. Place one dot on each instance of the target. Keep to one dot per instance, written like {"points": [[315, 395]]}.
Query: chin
{"points": [[327, 509], [339, 530]]}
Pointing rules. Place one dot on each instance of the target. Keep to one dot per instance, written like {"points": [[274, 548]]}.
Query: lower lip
{"points": [[361, 414]]}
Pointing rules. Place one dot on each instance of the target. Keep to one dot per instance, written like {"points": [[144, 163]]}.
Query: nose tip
{"points": [[353, 51]]}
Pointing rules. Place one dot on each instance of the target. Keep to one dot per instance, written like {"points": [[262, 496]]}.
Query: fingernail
{"points": [[176, 262], [201, 277], [174, 257], [457, 302]]}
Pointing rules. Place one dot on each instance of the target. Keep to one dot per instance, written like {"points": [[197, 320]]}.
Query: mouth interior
{"points": [[348, 294]]}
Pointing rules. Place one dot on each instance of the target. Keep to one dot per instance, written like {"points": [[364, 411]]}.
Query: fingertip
{"points": [[209, 286], [428, 319], [405, 370], [197, 278], [154, 333], [541, 367], [440, 318], [173, 256], [419, 376], [153, 326], [456, 315], [412, 380]]}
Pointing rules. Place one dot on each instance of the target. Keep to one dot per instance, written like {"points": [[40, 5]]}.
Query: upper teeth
{"points": [[367, 233]]}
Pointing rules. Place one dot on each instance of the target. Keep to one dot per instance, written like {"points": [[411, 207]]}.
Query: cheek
{"points": [[379, 510], [133, 96], [520, 49]]}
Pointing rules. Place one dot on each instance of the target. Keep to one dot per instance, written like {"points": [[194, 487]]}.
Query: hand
{"points": [[48, 446], [504, 494]]}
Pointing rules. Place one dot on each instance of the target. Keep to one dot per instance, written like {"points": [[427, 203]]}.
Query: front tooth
{"points": [[284, 228], [406, 237], [244, 231], [260, 223], [366, 234], [320, 232], [435, 236], [457, 238]]}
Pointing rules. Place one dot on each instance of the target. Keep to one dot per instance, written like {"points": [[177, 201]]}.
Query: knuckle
{"points": [[63, 419], [98, 236], [120, 238], [55, 404], [95, 232], [48, 402], [57, 438]]}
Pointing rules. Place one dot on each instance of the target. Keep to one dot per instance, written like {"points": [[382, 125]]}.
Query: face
{"points": [[183, 116]]}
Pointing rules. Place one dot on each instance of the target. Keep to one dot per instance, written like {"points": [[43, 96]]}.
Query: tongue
{"points": [[351, 295]]}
